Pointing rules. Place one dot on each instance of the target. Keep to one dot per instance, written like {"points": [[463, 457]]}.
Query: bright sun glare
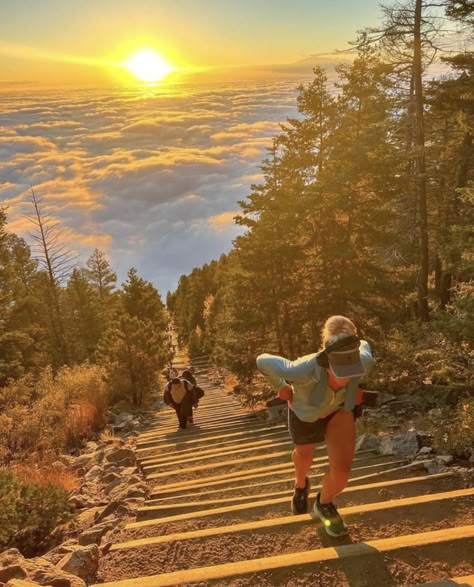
{"points": [[148, 66]]}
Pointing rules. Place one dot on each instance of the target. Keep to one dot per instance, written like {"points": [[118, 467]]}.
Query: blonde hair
{"points": [[335, 328]]}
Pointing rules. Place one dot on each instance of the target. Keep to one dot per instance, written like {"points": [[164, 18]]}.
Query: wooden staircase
{"points": [[218, 514]]}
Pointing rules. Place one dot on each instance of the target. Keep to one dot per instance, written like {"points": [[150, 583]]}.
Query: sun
{"points": [[147, 66]]}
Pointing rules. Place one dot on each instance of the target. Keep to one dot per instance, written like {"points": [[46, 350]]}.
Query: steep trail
{"points": [[218, 514]]}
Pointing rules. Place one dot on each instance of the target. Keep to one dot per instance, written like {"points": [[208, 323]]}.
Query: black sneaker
{"points": [[299, 501], [333, 523]]}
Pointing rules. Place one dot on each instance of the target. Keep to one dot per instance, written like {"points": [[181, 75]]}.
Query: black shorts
{"points": [[310, 432]]}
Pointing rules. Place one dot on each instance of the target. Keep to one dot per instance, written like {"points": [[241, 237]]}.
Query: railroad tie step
{"points": [[466, 581], [298, 559]]}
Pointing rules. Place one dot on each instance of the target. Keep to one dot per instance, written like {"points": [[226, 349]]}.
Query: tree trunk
{"points": [[420, 169]]}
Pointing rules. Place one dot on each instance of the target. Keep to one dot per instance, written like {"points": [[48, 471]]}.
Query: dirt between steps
{"points": [[283, 509], [407, 566]]}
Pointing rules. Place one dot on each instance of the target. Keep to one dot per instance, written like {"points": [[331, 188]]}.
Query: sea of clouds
{"points": [[151, 176]]}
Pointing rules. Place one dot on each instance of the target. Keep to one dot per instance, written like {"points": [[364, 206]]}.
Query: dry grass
{"points": [[53, 413], [46, 475]]}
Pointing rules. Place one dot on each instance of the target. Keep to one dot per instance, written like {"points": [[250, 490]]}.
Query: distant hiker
{"points": [[171, 373], [322, 399], [179, 395], [188, 375]]}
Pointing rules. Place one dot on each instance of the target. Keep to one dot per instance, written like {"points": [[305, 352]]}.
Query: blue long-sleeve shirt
{"points": [[304, 375]]}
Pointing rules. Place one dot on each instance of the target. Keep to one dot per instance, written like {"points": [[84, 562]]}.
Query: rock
{"points": [[435, 413], [404, 444], [123, 457], [435, 467], [120, 483], [444, 459], [92, 446], [109, 478], [38, 570], [94, 473], [124, 418], [367, 442], [425, 450], [94, 535], [85, 461], [386, 445], [110, 509], [20, 583], [55, 555], [88, 517], [82, 562], [138, 490]]}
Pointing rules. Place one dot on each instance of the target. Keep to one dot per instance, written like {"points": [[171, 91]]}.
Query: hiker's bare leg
{"points": [[340, 442], [302, 459]]}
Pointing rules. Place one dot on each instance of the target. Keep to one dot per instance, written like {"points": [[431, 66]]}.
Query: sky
{"points": [[152, 173], [87, 34]]}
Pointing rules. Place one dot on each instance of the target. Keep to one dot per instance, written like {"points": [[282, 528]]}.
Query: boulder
{"points": [[404, 444], [124, 457], [434, 466], [444, 459], [367, 442], [82, 562], [110, 477], [93, 474], [56, 554], [124, 418], [425, 450], [139, 490], [38, 570], [94, 535]]}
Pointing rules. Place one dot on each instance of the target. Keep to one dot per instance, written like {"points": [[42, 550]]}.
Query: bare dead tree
{"points": [[57, 261]]}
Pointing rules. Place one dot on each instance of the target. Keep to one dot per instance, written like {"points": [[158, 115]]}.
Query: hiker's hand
{"points": [[286, 393]]}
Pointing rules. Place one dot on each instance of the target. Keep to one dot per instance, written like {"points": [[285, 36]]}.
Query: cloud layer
{"points": [[151, 176]]}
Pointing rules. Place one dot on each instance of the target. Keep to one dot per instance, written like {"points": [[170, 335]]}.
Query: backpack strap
{"points": [[317, 394], [351, 392]]}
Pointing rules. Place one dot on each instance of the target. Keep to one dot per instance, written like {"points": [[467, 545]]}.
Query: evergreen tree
{"points": [[84, 317], [101, 276], [133, 355], [141, 299]]}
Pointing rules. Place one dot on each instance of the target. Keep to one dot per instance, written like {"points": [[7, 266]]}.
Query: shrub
{"points": [[54, 413], [458, 437], [30, 505]]}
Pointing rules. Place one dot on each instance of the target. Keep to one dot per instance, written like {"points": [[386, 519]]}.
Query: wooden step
{"points": [[217, 465], [287, 478], [299, 559], [466, 581], [262, 450], [275, 523], [213, 436], [261, 503], [257, 472], [216, 449], [196, 432]]}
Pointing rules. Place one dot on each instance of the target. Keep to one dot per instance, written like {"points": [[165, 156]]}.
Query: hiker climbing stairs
{"points": [[219, 512]]}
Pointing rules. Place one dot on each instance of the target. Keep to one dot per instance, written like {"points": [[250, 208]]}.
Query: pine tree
{"points": [[133, 355], [84, 317], [101, 276], [140, 299]]}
